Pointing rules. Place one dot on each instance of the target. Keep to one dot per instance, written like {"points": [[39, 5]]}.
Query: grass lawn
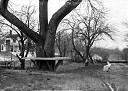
{"points": [[73, 76]]}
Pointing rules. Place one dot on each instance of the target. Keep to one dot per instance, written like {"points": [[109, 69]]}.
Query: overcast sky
{"points": [[117, 13]]}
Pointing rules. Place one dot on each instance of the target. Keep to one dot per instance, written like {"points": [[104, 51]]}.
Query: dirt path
{"points": [[68, 77]]}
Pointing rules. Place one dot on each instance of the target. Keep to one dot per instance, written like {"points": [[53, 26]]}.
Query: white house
{"points": [[9, 44]]}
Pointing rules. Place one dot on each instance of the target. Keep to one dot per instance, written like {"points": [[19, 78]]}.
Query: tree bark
{"points": [[87, 56], [4, 4], [43, 17], [22, 61]]}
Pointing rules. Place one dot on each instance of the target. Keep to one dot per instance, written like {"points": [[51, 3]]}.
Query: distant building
{"points": [[97, 58], [94, 57], [9, 44]]}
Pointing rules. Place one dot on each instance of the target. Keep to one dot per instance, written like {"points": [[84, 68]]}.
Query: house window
{"points": [[2, 47]]}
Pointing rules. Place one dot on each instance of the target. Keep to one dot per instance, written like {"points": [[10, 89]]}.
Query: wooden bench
{"points": [[58, 60], [114, 62]]}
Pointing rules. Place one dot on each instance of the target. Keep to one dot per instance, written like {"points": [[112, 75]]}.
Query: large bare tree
{"points": [[45, 39]]}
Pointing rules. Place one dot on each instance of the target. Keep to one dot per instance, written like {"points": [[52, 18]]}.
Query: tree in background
{"points": [[26, 14], [125, 23], [2, 35], [88, 29], [63, 42], [102, 52], [116, 54], [124, 54]]}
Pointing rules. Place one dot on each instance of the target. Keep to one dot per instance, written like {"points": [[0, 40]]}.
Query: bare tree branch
{"points": [[15, 21], [64, 10]]}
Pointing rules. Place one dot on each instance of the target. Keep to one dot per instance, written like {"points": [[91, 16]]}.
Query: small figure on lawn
{"points": [[107, 67]]}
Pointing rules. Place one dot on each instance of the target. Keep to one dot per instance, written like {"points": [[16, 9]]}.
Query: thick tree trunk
{"points": [[40, 53], [49, 44], [22, 61], [21, 55], [41, 50], [22, 64], [87, 56], [43, 17], [91, 60], [43, 64]]}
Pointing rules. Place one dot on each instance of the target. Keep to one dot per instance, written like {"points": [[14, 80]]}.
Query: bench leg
{"points": [[49, 67], [58, 63]]}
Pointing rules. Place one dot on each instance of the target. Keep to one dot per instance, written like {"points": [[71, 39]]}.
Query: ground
{"points": [[73, 76]]}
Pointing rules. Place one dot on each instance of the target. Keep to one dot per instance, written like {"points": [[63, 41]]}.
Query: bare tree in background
{"points": [[125, 23], [88, 29], [124, 54], [63, 43]]}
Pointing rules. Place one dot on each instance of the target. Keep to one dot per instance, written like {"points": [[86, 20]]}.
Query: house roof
{"points": [[1, 41], [12, 36]]}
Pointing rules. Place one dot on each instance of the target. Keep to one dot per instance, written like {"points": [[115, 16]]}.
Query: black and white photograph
{"points": [[63, 45]]}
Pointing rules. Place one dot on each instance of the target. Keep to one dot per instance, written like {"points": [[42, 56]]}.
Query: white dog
{"points": [[107, 67]]}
